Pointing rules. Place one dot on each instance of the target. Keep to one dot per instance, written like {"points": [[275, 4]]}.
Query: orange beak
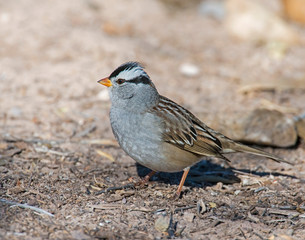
{"points": [[105, 81]]}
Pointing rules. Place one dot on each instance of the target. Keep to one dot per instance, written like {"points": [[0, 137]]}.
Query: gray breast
{"points": [[139, 135]]}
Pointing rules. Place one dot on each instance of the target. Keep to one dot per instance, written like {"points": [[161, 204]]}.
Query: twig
{"points": [[287, 213], [142, 209], [9, 138], [106, 206], [36, 209], [159, 210], [88, 130], [215, 223], [37, 149], [277, 220], [253, 218], [11, 153], [184, 208], [107, 142], [171, 228], [242, 233], [110, 206], [287, 207], [260, 236], [260, 189]]}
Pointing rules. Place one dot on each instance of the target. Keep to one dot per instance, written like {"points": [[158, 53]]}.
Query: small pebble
{"points": [[260, 189], [189, 70], [237, 192], [201, 207], [213, 193], [158, 193], [162, 223]]}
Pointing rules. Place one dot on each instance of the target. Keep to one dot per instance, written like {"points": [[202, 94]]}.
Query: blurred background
{"points": [[212, 56], [239, 65]]}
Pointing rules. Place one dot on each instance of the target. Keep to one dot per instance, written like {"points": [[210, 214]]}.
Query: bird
{"points": [[157, 132]]}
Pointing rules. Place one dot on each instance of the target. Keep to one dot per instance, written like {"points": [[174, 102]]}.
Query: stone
{"points": [[261, 126]]}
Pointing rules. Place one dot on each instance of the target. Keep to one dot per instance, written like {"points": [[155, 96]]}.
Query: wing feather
{"points": [[185, 131]]}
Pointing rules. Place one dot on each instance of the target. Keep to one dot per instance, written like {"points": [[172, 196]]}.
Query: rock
{"points": [[162, 223], [252, 21], [300, 124], [269, 127], [201, 207], [261, 126]]}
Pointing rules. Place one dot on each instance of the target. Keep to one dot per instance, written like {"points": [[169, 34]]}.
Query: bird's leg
{"points": [[145, 179], [185, 172]]}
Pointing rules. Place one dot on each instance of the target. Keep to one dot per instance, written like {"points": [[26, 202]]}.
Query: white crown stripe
{"points": [[131, 73]]}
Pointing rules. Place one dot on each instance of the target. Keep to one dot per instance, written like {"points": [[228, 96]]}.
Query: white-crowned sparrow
{"points": [[157, 132]]}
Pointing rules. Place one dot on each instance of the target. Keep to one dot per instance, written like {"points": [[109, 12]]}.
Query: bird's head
{"points": [[130, 86]]}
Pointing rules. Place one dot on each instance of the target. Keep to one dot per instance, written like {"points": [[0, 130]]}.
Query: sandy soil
{"points": [[55, 131]]}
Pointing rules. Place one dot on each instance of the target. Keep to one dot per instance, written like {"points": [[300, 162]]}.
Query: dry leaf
{"points": [[212, 205]]}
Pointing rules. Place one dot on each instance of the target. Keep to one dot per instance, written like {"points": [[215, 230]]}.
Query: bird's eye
{"points": [[120, 81]]}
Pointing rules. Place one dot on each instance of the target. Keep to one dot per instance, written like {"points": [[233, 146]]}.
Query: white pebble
{"points": [[189, 70], [237, 192]]}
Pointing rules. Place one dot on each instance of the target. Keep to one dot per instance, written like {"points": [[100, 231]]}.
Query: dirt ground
{"points": [[57, 150]]}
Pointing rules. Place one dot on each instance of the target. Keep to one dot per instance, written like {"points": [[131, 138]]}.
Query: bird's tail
{"points": [[232, 146]]}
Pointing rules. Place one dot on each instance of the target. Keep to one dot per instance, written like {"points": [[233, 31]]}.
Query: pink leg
{"points": [[186, 171]]}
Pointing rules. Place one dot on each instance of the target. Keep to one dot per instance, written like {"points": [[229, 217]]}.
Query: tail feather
{"points": [[238, 147]]}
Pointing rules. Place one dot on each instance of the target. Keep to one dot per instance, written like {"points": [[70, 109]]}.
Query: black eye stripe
{"points": [[141, 79]]}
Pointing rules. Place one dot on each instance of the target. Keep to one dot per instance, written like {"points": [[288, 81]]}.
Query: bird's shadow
{"points": [[206, 173]]}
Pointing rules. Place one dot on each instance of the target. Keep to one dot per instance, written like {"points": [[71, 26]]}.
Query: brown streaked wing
{"points": [[185, 131]]}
